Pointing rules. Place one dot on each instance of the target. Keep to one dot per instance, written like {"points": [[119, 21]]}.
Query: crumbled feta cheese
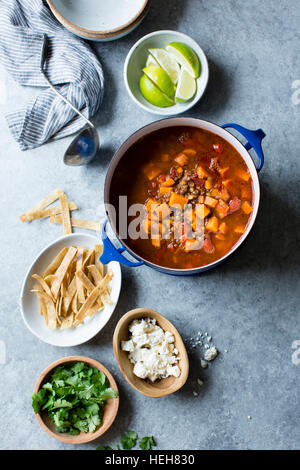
{"points": [[200, 382], [151, 350], [195, 394], [127, 345], [203, 364], [211, 354]]}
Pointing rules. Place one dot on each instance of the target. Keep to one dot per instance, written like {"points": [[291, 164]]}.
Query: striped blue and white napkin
{"points": [[70, 64]]}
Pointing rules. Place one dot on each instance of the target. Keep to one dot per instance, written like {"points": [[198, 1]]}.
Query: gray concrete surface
{"points": [[250, 305]]}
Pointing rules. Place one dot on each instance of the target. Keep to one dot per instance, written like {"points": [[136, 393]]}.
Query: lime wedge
{"points": [[167, 62], [153, 94], [186, 87], [186, 57], [161, 79], [151, 61]]}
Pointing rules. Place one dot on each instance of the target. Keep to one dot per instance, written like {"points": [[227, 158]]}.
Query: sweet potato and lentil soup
{"points": [[177, 166]]}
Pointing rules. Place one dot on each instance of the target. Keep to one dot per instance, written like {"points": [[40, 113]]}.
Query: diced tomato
{"points": [[214, 164], [162, 178], [173, 172], [218, 148], [234, 205], [198, 181], [208, 246]]}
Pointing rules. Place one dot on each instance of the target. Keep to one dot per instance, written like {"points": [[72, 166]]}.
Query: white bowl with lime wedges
{"points": [[166, 72]]}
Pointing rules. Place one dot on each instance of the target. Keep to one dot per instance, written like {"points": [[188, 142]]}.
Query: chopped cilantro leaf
{"points": [[147, 442], [74, 398], [128, 440]]}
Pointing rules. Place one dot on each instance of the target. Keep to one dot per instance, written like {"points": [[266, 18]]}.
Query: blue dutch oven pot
{"points": [[254, 141]]}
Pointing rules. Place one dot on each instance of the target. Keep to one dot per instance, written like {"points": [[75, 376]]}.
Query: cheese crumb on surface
{"points": [[203, 364], [211, 354], [151, 350]]}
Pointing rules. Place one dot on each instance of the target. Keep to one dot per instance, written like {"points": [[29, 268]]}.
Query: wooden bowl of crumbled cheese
{"points": [[150, 352]]}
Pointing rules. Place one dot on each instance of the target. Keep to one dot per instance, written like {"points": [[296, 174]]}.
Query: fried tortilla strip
{"points": [[92, 298], [95, 308], [105, 297], [85, 281], [50, 307], [43, 284], [79, 263], [52, 197], [97, 278], [49, 279], [58, 310], [55, 263], [87, 224], [74, 303], [89, 258], [67, 322], [98, 253], [66, 219], [62, 269], [70, 294], [43, 213]]}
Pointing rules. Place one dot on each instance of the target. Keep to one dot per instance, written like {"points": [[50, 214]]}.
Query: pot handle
{"points": [[111, 253], [254, 139]]}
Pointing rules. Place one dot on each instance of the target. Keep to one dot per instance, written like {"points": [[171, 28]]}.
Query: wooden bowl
{"points": [[160, 387], [110, 409]]}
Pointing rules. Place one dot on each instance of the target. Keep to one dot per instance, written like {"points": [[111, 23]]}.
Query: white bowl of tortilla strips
{"points": [[68, 296]]}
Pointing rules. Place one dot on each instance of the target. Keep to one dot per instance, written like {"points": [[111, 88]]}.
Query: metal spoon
{"points": [[85, 146]]}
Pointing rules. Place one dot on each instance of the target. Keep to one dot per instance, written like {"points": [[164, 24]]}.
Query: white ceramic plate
{"points": [[136, 60], [29, 302], [99, 19]]}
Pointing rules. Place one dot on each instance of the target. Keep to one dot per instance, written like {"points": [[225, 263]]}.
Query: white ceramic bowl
{"points": [[100, 20], [30, 307], [136, 60]]}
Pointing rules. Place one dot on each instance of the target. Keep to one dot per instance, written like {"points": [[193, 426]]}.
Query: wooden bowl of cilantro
{"points": [[75, 400]]}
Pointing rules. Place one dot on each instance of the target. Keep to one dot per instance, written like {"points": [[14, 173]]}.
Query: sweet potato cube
{"points": [[178, 200], [155, 242], [164, 190], [163, 211], [239, 229], [189, 152], [212, 224], [151, 205], [201, 172], [246, 193], [224, 194], [247, 208], [181, 159], [208, 184], [224, 171], [210, 201], [223, 228], [193, 244], [222, 209], [151, 171], [242, 174], [169, 182], [202, 211], [220, 236], [146, 225]]}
